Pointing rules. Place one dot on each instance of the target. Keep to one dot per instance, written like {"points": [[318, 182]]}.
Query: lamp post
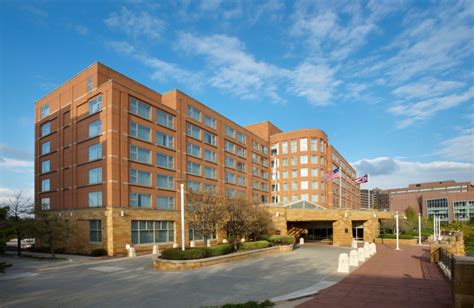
{"points": [[435, 233], [396, 226], [419, 228], [182, 217]]}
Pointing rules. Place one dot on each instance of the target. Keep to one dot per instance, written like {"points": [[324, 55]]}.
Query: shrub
{"points": [[394, 236], [218, 250], [254, 245], [188, 254], [251, 304], [98, 252], [282, 240]]}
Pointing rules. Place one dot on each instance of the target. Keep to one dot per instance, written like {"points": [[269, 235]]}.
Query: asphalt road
{"points": [[133, 282]]}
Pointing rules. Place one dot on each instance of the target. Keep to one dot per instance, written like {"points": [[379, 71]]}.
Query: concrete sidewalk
{"points": [[391, 278]]}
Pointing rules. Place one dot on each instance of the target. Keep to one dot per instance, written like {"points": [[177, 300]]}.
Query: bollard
{"points": [[353, 258], [156, 250], [192, 244], [127, 247], [301, 241], [224, 241], [343, 263], [131, 252], [361, 254], [373, 248], [242, 240], [366, 250], [208, 243], [354, 244], [175, 245]]}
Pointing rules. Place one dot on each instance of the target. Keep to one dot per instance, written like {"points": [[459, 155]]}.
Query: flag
{"points": [[362, 179], [331, 175]]}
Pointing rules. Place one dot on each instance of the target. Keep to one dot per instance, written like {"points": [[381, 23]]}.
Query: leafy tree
{"points": [[388, 226], [19, 217], [50, 229], [5, 230], [411, 214], [238, 211], [259, 222], [205, 213]]}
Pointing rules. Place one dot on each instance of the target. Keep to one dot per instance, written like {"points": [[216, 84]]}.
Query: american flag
{"points": [[331, 175], [362, 179]]}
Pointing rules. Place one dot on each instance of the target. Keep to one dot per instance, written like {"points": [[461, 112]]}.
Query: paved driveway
{"points": [[132, 282]]}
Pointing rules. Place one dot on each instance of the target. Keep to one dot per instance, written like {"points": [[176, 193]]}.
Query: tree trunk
{"points": [[18, 243], [51, 248]]}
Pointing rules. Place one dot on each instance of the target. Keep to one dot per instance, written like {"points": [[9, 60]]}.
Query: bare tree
{"points": [[238, 210], [205, 213], [259, 222], [50, 229], [20, 209]]}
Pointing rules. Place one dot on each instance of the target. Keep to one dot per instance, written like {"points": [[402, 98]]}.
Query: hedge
{"points": [[282, 240], [188, 254], [218, 250], [401, 236], [254, 245]]}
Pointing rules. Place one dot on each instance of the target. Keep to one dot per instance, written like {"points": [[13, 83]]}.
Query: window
{"points": [[46, 148], [304, 185], [314, 159], [165, 140], [46, 185], [165, 181], [194, 113], [45, 166], [95, 128], [294, 146], [45, 203], [193, 131], [229, 178], [194, 150], [210, 155], [210, 188], [284, 162], [149, 231], [241, 166], [294, 185], [304, 144], [314, 144], [229, 131], [254, 170], [294, 173], [140, 200], [196, 236], [194, 185], [165, 202], [95, 199], [314, 198], [44, 111], [45, 129], [193, 168], [314, 171], [210, 121], [304, 197], [241, 152], [140, 108], [285, 186], [229, 162], [210, 172], [165, 119], [140, 154], [264, 186], [314, 185], [95, 104], [241, 180], [241, 137], [165, 161], [210, 138], [284, 174], [304, 172], [140, 177], [322, 146], [284, 147], [304, 159], [229, 146], [438, 207], [89, 84], [95, 230], [230, 192], [95, 175], [95, 152], [140, 132], [294, 161]]}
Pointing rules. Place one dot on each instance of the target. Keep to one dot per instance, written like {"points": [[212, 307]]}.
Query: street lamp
{"points": [[419, 228], [183, 243], [396, 226]]}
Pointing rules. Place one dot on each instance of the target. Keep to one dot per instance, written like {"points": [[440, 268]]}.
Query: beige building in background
{"points": [[110, 155]]}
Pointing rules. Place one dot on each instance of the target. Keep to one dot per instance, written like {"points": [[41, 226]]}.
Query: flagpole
{"points": [[340, 189], [368, 193]]}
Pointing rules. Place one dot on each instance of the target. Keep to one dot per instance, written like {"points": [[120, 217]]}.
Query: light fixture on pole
{"points": [[419, 228], [435, 223], [182, 217], [439, 228], [396, 226]]}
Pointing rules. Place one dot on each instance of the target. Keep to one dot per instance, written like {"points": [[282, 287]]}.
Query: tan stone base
{"points": [[393, 241]]}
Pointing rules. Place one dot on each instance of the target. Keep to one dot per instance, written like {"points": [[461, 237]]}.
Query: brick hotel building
{"points": [[110, 154]]}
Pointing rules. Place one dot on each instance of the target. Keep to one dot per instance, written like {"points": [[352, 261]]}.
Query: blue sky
{"points": [[391, 82]]}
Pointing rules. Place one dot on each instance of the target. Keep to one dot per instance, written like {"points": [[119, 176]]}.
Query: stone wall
{"points": [[463, 282]]}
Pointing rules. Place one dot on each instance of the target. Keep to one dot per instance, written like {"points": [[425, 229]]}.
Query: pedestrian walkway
{"points": [[391, 278]]}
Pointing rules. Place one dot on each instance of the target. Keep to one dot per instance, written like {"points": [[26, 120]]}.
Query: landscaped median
{"points": [[404, 239], [192, 258]]}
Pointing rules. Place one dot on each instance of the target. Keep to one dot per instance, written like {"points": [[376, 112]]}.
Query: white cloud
{"points": [[461, 147], [392, 173], [427, 88], [420, 111], [7, 194], [136, 24], [15, 163]]}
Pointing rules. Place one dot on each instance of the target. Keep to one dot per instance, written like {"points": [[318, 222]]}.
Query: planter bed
{"points": [[177, 265], [393, 241]]}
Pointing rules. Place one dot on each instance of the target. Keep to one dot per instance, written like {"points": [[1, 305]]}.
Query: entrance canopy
{"points": [[300, 204]]}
